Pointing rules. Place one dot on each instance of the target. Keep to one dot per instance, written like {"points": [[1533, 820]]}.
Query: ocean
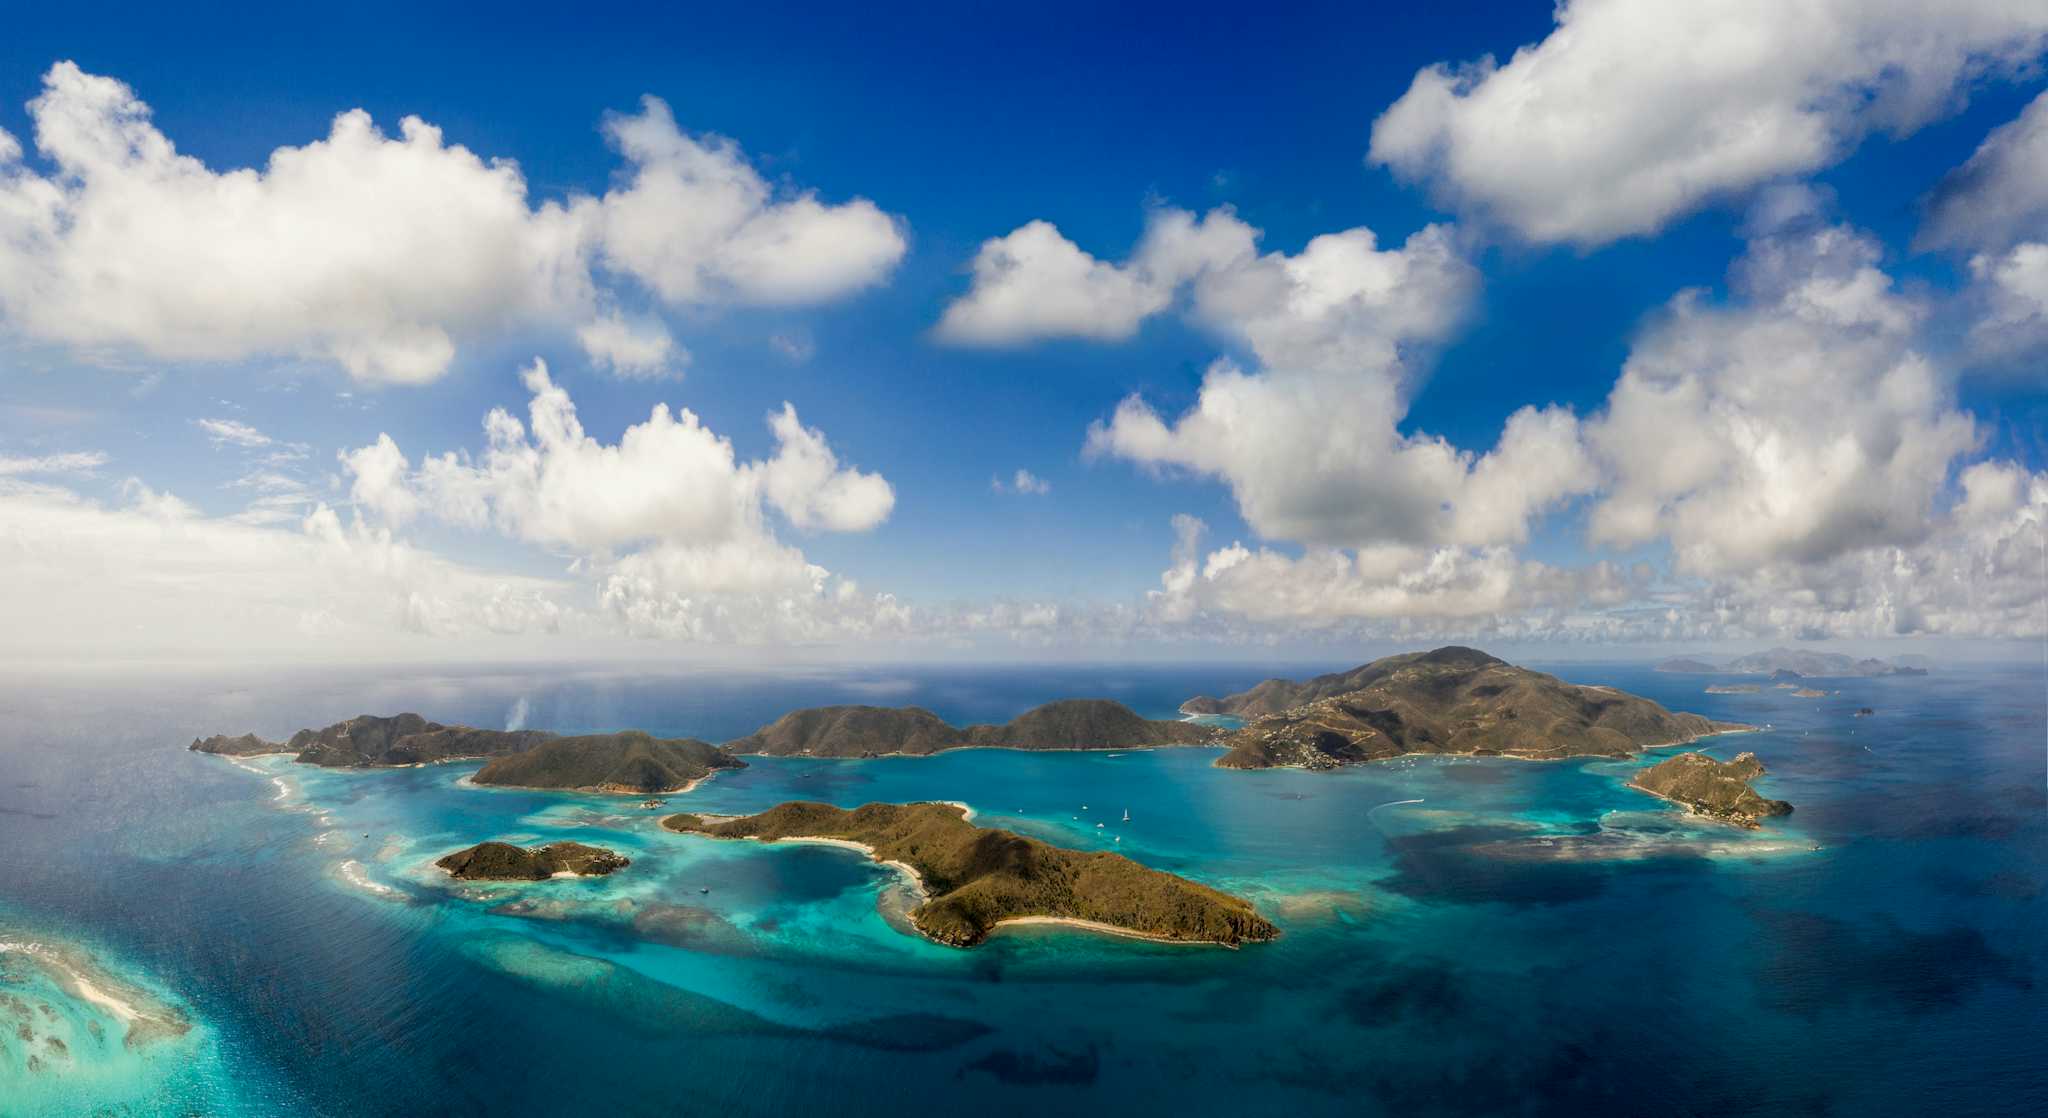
{"points": [[1460, 936]]}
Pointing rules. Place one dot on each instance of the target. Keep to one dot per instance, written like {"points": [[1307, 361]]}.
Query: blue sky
{"points": [[964, 125]]}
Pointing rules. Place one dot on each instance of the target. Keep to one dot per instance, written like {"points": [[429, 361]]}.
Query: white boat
{"points": [[1127, 815]]}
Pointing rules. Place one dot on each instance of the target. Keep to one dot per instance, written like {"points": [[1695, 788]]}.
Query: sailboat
{"points": [[1127, 815]]}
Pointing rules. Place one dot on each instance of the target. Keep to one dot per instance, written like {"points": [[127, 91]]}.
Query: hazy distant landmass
{"points": [[1450, 701], [1716, 789], [868, 731], [502, 861], [369, 740], [1685, 666], [1782, 663], [979, 878], [631, 761]]}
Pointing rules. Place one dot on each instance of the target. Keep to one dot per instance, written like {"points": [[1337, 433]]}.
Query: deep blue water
{"points": [[1530, 938]]}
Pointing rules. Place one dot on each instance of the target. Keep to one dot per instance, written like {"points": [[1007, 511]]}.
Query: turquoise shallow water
{"points": [[1527, 938]]}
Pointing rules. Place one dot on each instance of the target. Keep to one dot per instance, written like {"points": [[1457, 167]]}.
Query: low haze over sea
{"points": [[1460, 935]]}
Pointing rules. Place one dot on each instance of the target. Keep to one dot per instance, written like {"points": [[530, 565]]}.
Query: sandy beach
{"points": [[351, 871], [142, 1022], [1105, 929], [905, 868]]}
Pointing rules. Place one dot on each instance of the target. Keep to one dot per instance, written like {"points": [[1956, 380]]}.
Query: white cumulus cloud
{"points": [[1798, 424], [670, 523], [634, 348], [1632, 113], [698, 224], [384, 253], [1994, 208]]}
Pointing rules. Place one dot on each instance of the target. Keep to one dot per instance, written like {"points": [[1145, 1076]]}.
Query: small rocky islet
{"points": [[1715, 789], [979, 878], [502, 861]]}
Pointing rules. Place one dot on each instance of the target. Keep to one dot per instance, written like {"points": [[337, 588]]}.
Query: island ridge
{"points": [[868, 731], [368, 741], [979, 878], [630, 762], [1452, 700], [502, 861]]}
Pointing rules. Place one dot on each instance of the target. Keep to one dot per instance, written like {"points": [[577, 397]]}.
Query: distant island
{"points": [[1784, 663], [1715, 789], [977, 879], [1450, 701], [629, 762], [368, 740], [1688, 667], [869, 731], [1733, 688], [502, 861]]}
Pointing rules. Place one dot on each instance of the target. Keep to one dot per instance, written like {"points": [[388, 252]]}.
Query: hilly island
{"points": [[631, 762], [867, 731], [1716, 789], [369, 740], [1449, 701], [977, 879], [502, 861], [628, 762]]}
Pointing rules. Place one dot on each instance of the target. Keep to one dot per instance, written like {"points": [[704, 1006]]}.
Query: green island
{"points": [[869, 731], [1716, 789], [630, 762], [1451, 701], [373, 741], [502, 861], [977, 879]]}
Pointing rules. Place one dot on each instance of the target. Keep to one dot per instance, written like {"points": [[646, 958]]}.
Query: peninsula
{"points": [[1450, 701], [502, 861], [977, 879], [1716, 789], [868, 731], [368, 741], [630, 762]]}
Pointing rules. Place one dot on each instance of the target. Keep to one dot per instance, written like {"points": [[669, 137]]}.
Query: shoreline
{"points": [[1640, 750], [1003, 748], [351, 871], [924, 895], [141, 1024], [1105, 929], [909, 871], [609, 791]]}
